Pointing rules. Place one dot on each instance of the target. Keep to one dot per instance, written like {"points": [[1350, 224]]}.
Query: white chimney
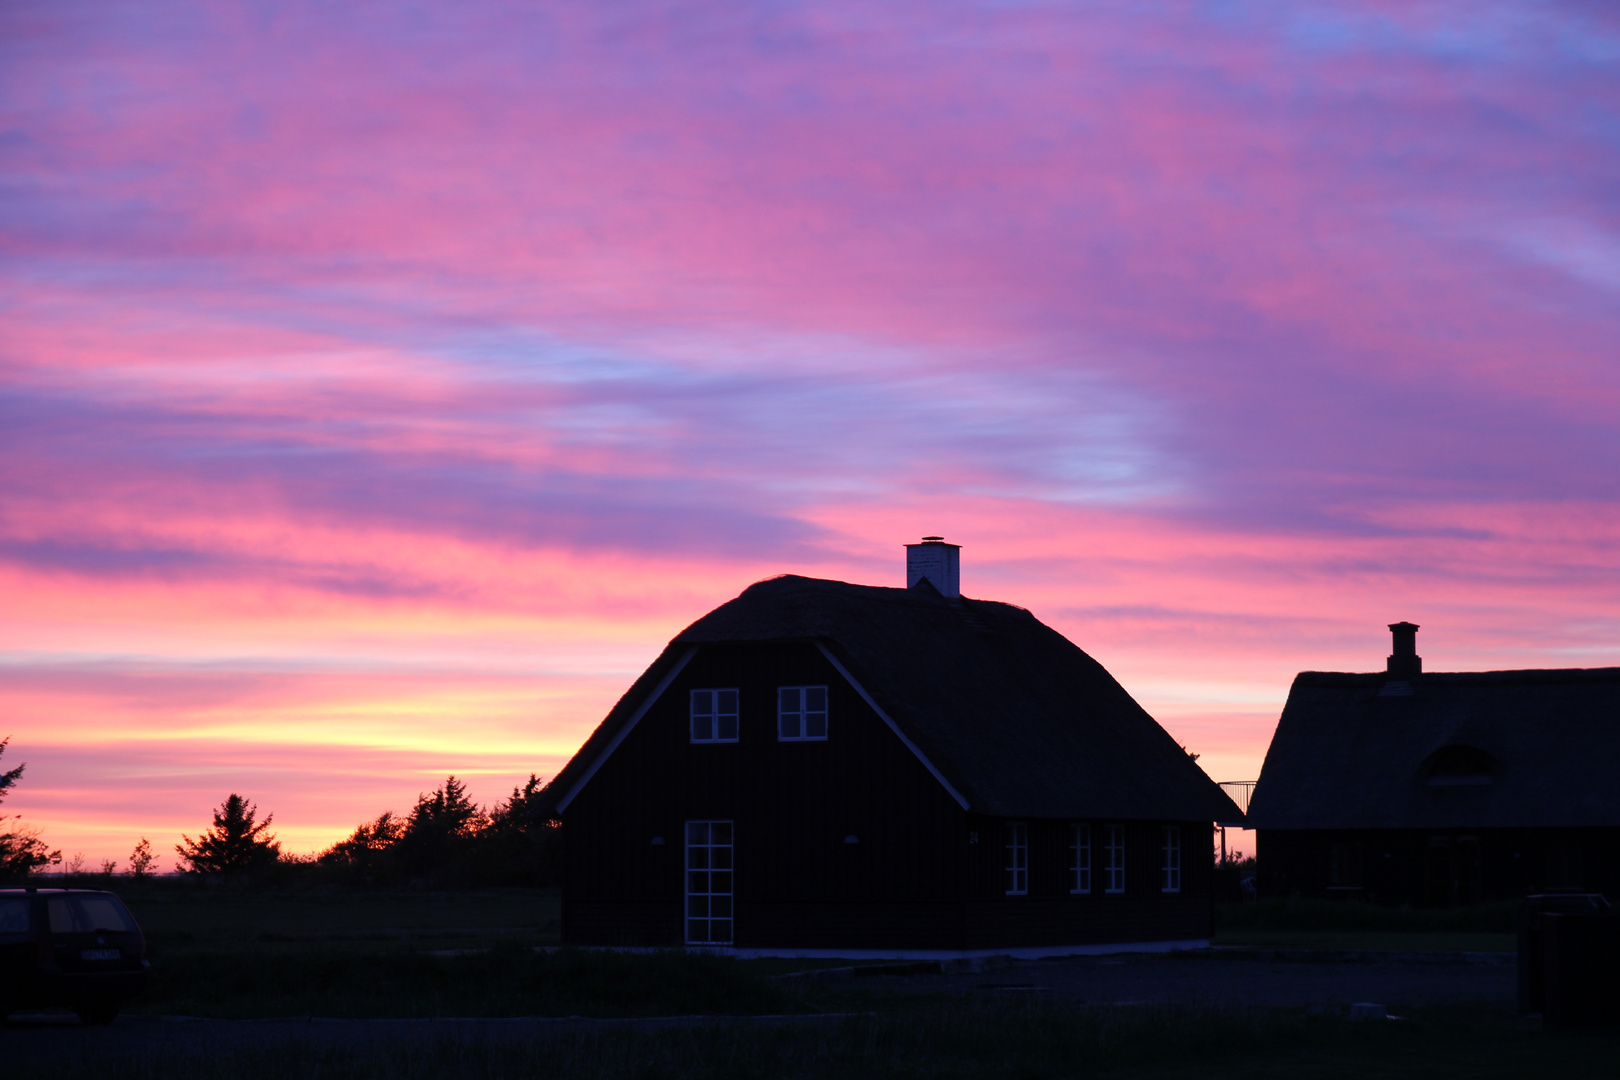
{"points": [[939, 562]]}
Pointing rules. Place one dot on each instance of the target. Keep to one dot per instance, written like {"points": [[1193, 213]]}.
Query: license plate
{"points": [[99, 954]]}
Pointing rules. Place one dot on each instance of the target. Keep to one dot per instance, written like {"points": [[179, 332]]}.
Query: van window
{"points": [[13, 915], [86, 914]]}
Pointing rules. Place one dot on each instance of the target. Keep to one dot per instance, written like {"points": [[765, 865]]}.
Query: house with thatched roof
{"points": [[1440, 789], [822, 768]]}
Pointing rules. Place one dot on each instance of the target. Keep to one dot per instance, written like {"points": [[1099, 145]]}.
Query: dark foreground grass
{"points": [[1296, 923], [511, 979], [1298, 913], [241, 954], [983, 1041], [182, 914]]}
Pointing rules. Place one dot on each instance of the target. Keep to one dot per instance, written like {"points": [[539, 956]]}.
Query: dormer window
{"points": [[801, 713], [714, 716], [1454, 766]]}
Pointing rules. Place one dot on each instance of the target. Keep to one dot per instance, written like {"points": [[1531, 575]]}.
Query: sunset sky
{"points": [[382, 385]]}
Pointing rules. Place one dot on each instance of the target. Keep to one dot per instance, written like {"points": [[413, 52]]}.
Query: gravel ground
{"points": [[1235, 979], [1238, 979], [60, 1038]]}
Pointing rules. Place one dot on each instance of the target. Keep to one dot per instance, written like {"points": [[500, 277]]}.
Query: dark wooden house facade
{"points": [[1442, 789], [823, 768]]}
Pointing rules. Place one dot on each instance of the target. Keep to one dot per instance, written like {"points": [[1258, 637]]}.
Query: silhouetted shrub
{"points": [[448, 840]]}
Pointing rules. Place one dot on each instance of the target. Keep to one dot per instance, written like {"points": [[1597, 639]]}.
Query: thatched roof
{"points": [[1009, 714], [1490, 749]]}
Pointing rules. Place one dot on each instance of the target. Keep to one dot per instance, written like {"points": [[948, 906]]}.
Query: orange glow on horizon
{"points": [[378, 395]]}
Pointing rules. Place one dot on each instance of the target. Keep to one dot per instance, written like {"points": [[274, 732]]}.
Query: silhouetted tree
{"points": [[514, 815], [21, 849], [141, 859], [236, 842], [440, 830], [7, 779], [518, 847], [365, 854], [448, 838], [447, 811]]}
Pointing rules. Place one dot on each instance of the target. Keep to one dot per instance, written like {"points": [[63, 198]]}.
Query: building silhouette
{"points": [[1440, 789], [822, 767]]}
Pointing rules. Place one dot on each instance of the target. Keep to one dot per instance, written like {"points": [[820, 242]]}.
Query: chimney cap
{"points": [[936, 562], [1404, 662]]}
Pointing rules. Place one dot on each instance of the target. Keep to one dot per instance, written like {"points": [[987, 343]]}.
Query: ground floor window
{"points": [[1453, 871], [1170, 859], [708, 883], [1344, 865], [1017, 858], [1114, 860], [1080, 858], [1564, 863]]}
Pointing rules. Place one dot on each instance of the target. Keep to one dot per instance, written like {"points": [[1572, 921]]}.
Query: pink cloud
{"points": [[497, 343]]}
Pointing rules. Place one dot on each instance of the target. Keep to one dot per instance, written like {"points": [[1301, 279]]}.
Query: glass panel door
{"points": [[708, 883]]}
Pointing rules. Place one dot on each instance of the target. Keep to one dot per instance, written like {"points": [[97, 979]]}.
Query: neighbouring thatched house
{"points": [[820, 767], [1442, 788]]}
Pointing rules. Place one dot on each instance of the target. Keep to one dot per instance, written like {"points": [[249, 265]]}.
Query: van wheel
{"points": [[97, 1012]]}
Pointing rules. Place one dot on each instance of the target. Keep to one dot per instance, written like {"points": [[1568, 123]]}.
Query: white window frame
{"points": [[709, 884], [1079, 860], [1017, 880], [1170, 860], [803, 718], [708, 708], [1114, 861]]}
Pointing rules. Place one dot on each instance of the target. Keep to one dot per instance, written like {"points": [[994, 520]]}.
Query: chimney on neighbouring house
{"points": [[1404, 662], [939, 562]]}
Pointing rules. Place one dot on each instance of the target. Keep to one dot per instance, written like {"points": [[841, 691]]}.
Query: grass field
{"points": [[1323, 924], [222, 953], [358, 953], [1296, 913], [180, 919], [234, 954], [228, 954]]}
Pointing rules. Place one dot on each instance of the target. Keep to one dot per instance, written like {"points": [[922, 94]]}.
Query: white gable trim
{"points": [[861, 690], [635, 718]]}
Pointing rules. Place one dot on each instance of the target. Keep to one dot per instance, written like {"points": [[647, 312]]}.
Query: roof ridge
{"points": [[971, 617], [1600, 674], [1021, 719]]}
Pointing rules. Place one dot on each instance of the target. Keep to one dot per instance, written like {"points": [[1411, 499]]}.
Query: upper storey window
{"points": [[714, 716], [801, 713]]}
